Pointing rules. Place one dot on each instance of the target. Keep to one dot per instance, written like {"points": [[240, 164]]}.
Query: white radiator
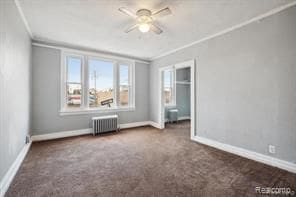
{"points": [[104, 124]]}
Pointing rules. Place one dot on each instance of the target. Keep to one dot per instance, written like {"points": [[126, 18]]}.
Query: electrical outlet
{"points": [[271, 149]]}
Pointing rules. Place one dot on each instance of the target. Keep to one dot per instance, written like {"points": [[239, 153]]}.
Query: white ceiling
{"points": [[98, 24]]}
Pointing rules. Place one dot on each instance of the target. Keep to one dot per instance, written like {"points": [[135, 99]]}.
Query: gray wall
{"points": [[46, 96], [15, 56], [246, 85]]}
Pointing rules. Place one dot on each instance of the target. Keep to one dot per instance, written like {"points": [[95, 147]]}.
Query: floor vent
{"points": [[104, 124]]}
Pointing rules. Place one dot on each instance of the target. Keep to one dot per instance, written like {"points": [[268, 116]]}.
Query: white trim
{"points": [[63, 63], [64, 134], [116, 84], [184, 64], [155, 124], [64, 79], [134, 124], [161, 111], [8, 177], [193, 99], [84, 106], [285, 165], [133, 83], [180, 118], [61, 134], [95, 111], [183, 82], [230, 29], [184, 118], [20, 10], [86, 82], [90, 52]]}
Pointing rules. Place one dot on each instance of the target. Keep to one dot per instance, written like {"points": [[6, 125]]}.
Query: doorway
{"points": [[177, 93]]}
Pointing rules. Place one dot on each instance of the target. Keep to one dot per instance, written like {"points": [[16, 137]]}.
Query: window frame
{"points": [[131, 83], [114, 81], [64, 79], [84, 107]]}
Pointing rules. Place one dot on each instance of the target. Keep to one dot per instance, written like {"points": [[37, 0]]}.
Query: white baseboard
{"points": [[134, 124], [180, 118], [285, 165], [7, 179], [155, 124], [63, 134], [184, 118]]}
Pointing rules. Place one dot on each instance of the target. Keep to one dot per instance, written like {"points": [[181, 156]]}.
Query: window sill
{"points": [[68, 112]]}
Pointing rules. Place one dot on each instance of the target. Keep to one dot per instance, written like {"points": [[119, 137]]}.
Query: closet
{"points": [[179, 108]]}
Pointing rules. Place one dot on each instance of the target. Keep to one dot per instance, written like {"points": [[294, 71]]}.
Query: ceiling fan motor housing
{"points": [[143, 12], [144, 16]]}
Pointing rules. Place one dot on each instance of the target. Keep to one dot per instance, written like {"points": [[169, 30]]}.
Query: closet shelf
{"points": [[183, 82]]}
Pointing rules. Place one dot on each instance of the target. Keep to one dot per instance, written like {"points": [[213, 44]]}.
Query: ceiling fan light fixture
{"points": [[145, 19], [144, 27]]}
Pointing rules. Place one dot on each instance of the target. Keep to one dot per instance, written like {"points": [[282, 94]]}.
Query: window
{"points": [[101, 84], [73, 82], [94, 84], [169, 87], [124, 85]]}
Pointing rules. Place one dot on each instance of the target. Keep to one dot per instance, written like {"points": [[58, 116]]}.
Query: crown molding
{"points": [[64, 46], [230, 29], [20, 10], [147, 61]]}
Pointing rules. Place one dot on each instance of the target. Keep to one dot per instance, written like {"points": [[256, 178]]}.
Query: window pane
{"points": [[168, 87], [73, 69], [124, 85], [73, 82], [73, 95], [101, 89]]}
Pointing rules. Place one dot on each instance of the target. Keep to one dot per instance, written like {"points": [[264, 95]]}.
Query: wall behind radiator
{"points": [[46, 96]]}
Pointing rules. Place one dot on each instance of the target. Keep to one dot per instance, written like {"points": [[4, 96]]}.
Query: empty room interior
{"points": [[147, 98]]}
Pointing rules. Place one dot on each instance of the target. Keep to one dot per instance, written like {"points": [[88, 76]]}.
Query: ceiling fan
{"points": [[145, 19]]}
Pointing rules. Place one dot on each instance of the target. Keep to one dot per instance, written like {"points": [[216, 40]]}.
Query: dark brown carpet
{"points": [[140, 162]]}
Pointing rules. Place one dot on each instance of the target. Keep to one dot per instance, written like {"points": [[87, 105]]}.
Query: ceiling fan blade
{"points": [[131, 28], [127, 12], [155, 29], [163, 12]]}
